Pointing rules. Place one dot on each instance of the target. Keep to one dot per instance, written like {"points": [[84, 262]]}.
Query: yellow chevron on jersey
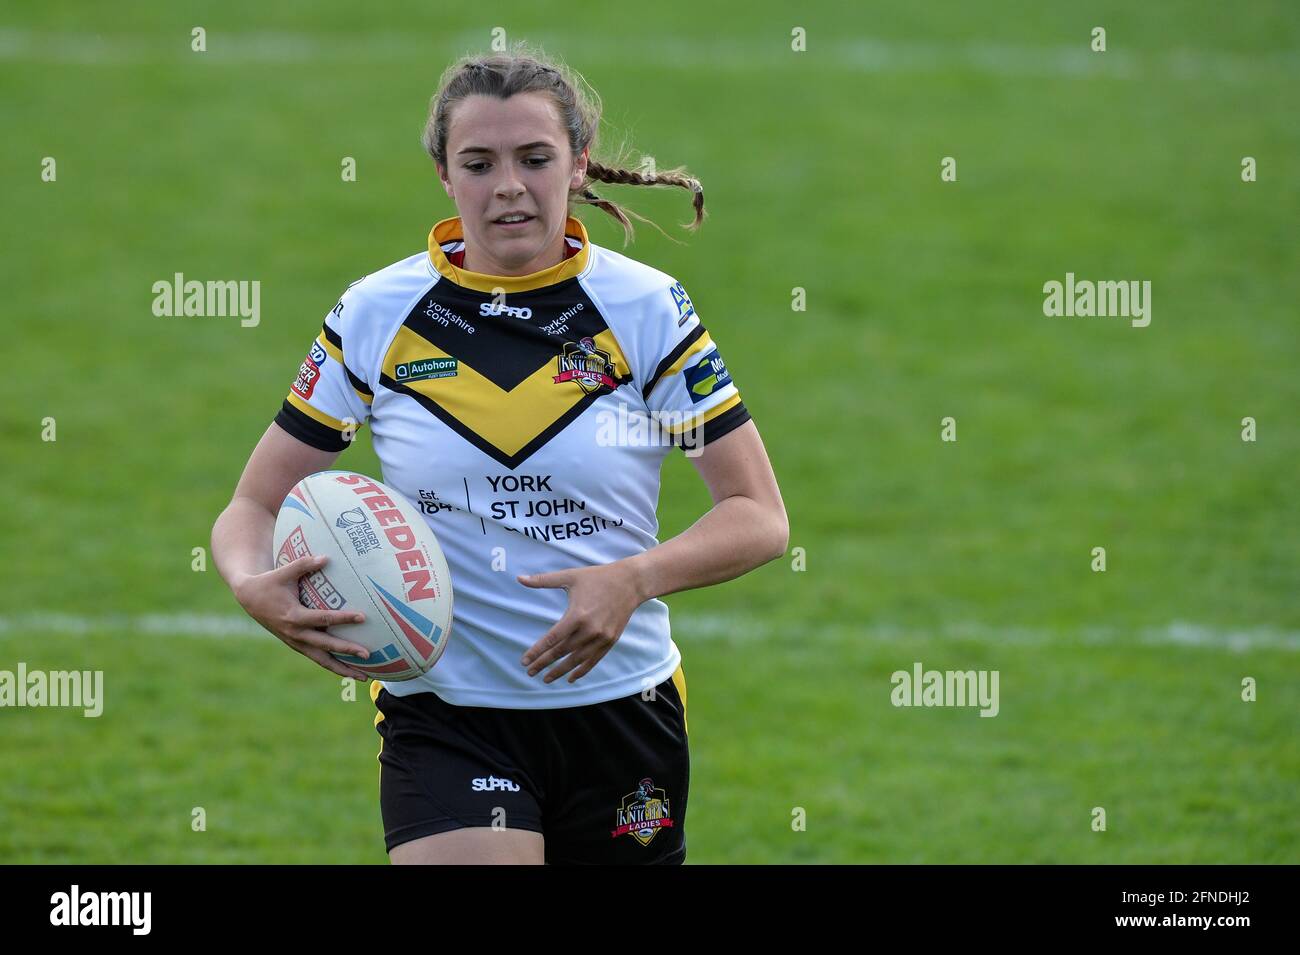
{"points": [[535, 409]]}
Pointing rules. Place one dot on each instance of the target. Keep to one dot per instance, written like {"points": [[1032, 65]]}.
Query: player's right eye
{"points": [[535, 161]]}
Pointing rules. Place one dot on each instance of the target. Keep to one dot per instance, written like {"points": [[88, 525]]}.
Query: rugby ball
{"points": [[384, 561]]}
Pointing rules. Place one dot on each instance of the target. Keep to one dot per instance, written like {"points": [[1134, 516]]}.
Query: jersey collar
{"points": [[450, 230]]}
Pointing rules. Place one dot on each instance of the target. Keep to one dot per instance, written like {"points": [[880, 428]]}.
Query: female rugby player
{"points": [[523, 385]]}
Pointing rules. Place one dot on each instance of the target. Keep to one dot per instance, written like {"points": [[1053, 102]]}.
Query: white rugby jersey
{"points": [[528, 417]]}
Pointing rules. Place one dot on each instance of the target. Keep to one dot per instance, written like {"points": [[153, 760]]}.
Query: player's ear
{"points": [[446, 183], [580, 169]]}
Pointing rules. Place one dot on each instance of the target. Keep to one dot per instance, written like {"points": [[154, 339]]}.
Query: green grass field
{"points": [[1119, 689]]}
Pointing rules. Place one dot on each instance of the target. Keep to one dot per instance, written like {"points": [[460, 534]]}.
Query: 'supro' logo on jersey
{"points": [[707, 376], [643, 813], [683, 302], [586, 364], [487, 784], [496, 308]]}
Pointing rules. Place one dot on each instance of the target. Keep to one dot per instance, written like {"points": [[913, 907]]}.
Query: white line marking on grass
{"points": [[153, 624], [863, 54], [738, 628]]}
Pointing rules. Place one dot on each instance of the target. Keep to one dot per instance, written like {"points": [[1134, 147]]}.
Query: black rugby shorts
{"points": [[604, 783]]}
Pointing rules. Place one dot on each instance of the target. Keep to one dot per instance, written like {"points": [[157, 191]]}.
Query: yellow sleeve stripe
{"points": [[707, 416], [330, 348], [334, 352], [701, 344], [317, 415]]}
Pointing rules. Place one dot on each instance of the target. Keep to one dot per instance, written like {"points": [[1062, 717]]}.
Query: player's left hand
{"points": [[601, 601]]}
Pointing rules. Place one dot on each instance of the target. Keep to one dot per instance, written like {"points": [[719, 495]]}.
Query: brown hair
{"points": [[525, 70]]}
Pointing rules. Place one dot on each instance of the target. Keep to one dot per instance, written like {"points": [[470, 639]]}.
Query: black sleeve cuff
{"points": [[309, 430], [728, 421]]}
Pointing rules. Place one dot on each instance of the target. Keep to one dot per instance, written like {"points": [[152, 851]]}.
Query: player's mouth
{"points": [[513, 221]]}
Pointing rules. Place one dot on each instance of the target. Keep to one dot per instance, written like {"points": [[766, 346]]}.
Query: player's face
{"points": [[507, 155]]}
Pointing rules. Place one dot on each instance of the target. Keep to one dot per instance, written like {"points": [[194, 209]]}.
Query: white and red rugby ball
{"points": [[384, 561]]}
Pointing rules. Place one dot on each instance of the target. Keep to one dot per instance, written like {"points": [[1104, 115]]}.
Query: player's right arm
{"points": [[242, 552], [325, 405]]}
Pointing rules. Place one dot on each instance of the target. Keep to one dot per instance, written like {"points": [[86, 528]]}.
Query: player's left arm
{"points": [[746, 527]]}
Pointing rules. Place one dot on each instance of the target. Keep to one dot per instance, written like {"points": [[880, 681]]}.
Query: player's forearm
{"points": [[241, 540], [735, 536]]}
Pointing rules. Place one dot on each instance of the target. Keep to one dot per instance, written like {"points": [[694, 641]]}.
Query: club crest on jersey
{"points": [[643, 813], [586, 364]]}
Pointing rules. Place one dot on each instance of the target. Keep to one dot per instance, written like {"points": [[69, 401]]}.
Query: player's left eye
{"points": [[482, 166]]}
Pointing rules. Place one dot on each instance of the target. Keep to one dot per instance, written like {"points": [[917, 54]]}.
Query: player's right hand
{"points": [[272, 600]]}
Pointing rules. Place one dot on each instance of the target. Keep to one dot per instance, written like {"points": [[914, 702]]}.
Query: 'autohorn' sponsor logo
{"points": [[426, 368]]}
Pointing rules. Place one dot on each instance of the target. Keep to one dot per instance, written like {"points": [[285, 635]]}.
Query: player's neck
{"points": [[554, 256]]}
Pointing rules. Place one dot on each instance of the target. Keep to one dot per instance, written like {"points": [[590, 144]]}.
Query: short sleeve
{"points": [[329, 400], [688, 388]]}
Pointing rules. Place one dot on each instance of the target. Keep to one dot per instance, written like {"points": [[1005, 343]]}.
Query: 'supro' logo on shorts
{"points": [[492, 784], [426, 368], [643, 813]]}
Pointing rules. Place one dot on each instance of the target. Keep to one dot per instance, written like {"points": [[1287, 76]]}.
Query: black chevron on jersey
{"points": [[496, 385], [503, 348]]}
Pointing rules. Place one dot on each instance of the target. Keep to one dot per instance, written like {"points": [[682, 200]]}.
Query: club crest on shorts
{"points": [[643, 813], [586, 364]]}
